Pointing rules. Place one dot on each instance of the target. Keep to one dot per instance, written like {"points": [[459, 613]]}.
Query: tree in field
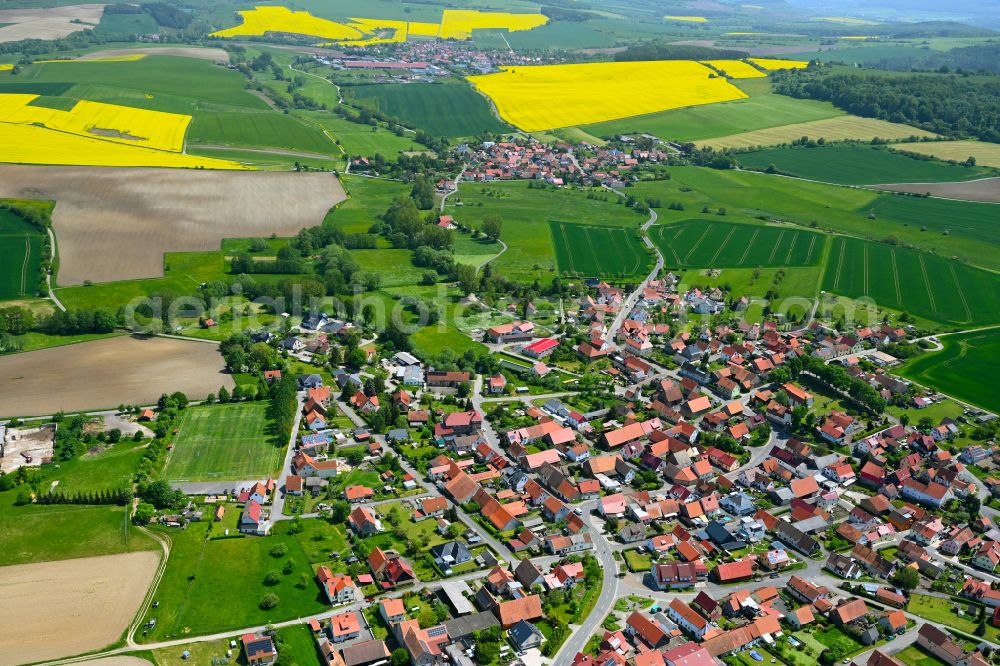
{"points": [[467, 278], [269, 601], [492, 224]]}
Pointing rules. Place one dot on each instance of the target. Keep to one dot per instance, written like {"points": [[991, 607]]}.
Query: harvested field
{"points": [[985, 189], [56, 609], [986, 154], [49, 23], [142, 213], [107, 373], [212, 55], [831, 129]]}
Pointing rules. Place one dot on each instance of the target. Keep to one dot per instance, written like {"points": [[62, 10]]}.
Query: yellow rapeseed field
{"points": [[847, 20], [546, 97], [6, 66], [459, 23], [771, 63], [689, 19], [110, 122], [29, 144], [455, 24], [131, 57], [736, 69], [261, 20]]}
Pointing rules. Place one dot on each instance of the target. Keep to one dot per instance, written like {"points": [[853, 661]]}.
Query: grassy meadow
{"points": [[197, 593], [34, 533]]}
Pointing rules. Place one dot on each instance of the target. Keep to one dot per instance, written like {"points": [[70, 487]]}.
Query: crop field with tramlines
{"points": [[711, 244], [598, 251], [925, 285], [20, 256], [965, 368]]}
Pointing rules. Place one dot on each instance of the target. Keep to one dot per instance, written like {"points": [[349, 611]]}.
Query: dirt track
{"points": [[213, 55], [49, 23], [115, 224], [985, 189], [57, 609], [106, 373]]}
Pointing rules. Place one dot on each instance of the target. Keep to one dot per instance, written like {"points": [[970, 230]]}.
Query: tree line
{"points": [[947, 104]]}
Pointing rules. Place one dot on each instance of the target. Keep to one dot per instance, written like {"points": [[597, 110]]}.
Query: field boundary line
{"points": [[722, 246], [614, 244], [840, 264], [809, 252], [791, 248], [927, 283], [697, 244], [568, 252], [746, 252], [24, 264], [865, 266], [670, 244], [895, 275], [774, 250], [961, 293], [593, 253]]}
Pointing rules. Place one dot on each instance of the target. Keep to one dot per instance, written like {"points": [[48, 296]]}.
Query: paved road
{"points": [[633, 298], [278, 500], [609, 591]]}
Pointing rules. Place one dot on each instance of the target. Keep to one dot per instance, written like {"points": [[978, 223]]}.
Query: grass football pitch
{"points": [[224, 442]]}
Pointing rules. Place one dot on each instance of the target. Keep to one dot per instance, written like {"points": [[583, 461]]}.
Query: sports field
{"points": [[966, 368], [841, 128], [711, 244], [858, 165], [224, 442], [922, 284], [20, 256], [598, 251], [761, 110], [447, 109]]}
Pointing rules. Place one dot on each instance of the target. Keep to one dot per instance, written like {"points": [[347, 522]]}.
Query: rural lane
{"points": [[48, 274]]}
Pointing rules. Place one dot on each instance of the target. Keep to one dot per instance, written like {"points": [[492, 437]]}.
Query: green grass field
{"points": [[858, 165], [963, 229], [762, 110], [367, 198], [20, 256], [231, 442], [965, 368], [598, 251], [926, 285], [34, 533], [712, 244], [114, 467], [357, 139], [915, 656], [198, 595], [448, 109], [526, 214], [265, 129]]}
